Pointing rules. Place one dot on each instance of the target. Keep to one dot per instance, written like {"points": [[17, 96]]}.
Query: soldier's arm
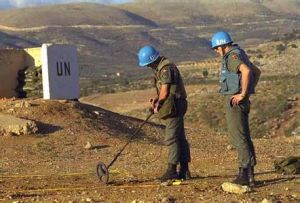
{"points": [[163, 95], [164, 92], [166, 80], [245, 72]]}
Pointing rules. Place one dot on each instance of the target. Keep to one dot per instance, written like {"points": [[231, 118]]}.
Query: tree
{"points": [[205, 73]]}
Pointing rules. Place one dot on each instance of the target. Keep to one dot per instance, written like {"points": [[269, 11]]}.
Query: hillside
{"points": [[205, 12], [108, 37], [284, 7], [70, 14]]}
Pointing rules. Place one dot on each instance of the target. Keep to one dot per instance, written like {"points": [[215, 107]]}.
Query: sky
{"points": [[25, 3]]}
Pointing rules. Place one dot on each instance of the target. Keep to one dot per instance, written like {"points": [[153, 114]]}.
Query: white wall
{"points": [[60, 72]]}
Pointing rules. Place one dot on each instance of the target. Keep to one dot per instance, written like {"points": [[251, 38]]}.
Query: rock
{"points": [[137, 201], [88, 145], [229, 147], [265, 200], [10, 125], [23, 104], [296, 131], [292, 99], [88, 199], [235, 188]]}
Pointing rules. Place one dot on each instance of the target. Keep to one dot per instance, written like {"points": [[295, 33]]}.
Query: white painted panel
{"points": [[60, 72]]}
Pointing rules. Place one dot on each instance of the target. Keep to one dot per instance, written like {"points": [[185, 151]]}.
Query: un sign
{"points": [[60, 72]]}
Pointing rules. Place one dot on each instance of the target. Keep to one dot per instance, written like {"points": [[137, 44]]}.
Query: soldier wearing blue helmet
{"points": [[238, 79], [171, 106]]}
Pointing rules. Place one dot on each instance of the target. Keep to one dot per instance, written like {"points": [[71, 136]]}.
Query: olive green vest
{"points": [[177, 87]]}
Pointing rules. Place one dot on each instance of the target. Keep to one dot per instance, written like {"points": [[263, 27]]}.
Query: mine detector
{"points": [[102, 169]]}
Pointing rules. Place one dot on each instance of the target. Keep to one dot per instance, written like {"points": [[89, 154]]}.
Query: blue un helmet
{"points": [[220, 38], [147, 55]]}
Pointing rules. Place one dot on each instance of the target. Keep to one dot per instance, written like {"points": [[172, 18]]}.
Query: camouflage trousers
{"points": [[175, 139], [237, 117]]}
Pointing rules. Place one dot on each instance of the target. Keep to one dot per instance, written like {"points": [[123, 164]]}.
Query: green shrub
{"points": [[294, 46], [205, 73], [280, 48]]}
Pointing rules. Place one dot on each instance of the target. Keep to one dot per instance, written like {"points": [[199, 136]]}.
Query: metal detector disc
{"points": [[102, 173]]}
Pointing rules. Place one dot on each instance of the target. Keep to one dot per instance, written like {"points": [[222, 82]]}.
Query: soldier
{"points": [[171, 106], [238, 79]]}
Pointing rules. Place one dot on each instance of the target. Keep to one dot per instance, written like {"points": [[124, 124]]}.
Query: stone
{"points": [[88, 199], [229, 147], [23, 104], [88, 145], [296, 131], [137, 201], [235, 188], [265, 200], [10, 125], [292, 99]]}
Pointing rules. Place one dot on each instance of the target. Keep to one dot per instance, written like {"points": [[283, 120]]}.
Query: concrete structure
{"points": [[11, 61], [10, 125], [33, 56], [59, 64], [60, 72]]}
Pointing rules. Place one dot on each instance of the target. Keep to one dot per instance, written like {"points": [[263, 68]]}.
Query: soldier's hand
{"points": [[156, 107], [155, 110], [153, 101], [236, 99]]}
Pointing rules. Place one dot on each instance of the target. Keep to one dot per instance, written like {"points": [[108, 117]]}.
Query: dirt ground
{"points": [[56, 166]]}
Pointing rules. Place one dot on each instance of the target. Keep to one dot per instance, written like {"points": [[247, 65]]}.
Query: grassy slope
{"points": [[70, 14], [186, 12]]}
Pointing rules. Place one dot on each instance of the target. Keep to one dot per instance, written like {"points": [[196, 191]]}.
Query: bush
{"points": [[294, 46], [280, 48], [205, 73], [259, 56]]}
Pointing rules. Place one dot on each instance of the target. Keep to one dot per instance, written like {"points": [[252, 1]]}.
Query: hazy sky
{"points": [[24, 3]]}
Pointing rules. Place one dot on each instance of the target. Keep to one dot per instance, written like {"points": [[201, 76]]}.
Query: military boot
{"points": [[242, 178], [251, 176], [171, 173], [184, 172]]}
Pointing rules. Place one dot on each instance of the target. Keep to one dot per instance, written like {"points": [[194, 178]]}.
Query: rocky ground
{"points": [[58, 164]]}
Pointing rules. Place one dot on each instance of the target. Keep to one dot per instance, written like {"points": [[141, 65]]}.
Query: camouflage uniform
{"points": [[237, 116], [179, 151]]}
